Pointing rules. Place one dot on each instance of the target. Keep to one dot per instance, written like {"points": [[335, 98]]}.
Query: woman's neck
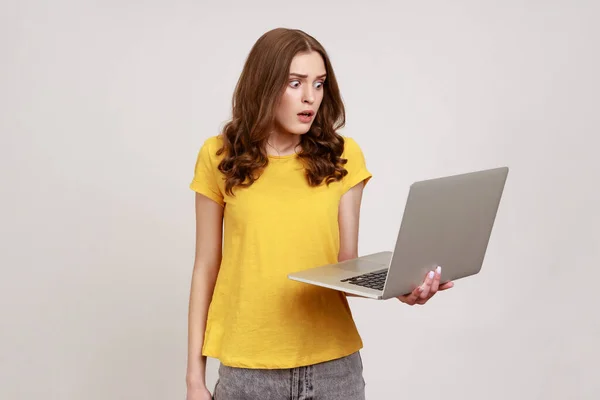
{"points": [[282, 144]]}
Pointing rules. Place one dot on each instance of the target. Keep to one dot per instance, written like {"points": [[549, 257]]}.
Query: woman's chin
{"points": [[300, 130]]}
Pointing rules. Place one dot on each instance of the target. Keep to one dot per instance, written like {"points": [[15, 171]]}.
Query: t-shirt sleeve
{"points": [[356, 165], [206, 173]]}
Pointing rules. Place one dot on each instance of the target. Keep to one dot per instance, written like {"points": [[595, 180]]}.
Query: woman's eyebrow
{"points": [[306, 76]]}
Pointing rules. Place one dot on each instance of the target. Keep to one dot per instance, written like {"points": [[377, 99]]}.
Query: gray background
{"points": [[104, 105]]}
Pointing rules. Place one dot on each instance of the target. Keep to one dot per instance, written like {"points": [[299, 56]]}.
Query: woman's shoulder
{"points": [[209, 148], [351, 147], [355, 163], [213, 143]]}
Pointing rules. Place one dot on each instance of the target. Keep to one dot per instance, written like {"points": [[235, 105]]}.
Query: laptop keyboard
{"points": [[373, 280]]}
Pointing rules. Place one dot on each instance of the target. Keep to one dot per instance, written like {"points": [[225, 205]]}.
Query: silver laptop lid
{"points": [[447, 221]]}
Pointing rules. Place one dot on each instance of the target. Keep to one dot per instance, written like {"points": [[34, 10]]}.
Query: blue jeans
{"points": [[340, 379]]}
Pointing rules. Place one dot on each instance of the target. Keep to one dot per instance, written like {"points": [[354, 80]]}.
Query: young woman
{"points": [[279, 190]]}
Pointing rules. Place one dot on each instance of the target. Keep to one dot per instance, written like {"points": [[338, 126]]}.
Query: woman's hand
{"points": [[196, 386], [427, 290], [198, 393]]}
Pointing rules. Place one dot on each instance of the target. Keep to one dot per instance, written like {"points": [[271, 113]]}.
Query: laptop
{"points": [[447, 221]]}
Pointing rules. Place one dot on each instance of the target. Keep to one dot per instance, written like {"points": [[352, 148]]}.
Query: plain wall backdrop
{"points": [[104, 105]]}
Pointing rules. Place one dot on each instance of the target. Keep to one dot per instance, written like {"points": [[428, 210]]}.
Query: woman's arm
{"points": [[348, 219], [209, 223]]}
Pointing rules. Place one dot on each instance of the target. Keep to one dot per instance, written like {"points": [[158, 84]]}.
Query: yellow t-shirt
{"points": [[258, 318]]}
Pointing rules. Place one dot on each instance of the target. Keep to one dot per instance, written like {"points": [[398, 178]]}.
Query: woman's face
{"points": [[304, 92]]}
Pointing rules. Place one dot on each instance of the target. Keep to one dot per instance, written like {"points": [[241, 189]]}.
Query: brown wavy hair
{"points": [[257, 94]]}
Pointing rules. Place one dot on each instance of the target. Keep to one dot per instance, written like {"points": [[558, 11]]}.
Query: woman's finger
{"points": [[436, 280], [422, 301], [412, 297], [427, 285]]}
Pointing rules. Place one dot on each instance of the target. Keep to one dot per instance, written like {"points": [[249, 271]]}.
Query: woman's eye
{"points": [[296, 83]]}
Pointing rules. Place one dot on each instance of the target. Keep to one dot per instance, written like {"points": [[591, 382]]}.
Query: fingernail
{"points": [[438, 270], [431, 274]]}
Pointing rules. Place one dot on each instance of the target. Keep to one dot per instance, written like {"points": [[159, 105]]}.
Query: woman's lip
{"points": [[305, 118]]}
